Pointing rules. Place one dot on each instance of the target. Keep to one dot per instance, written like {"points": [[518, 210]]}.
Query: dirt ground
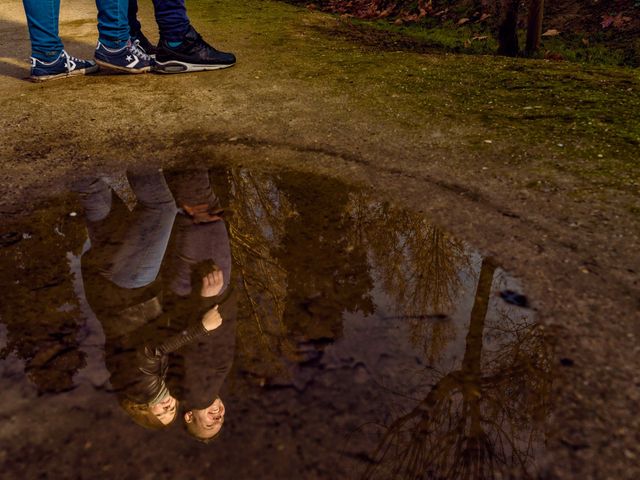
{"points": [[554, 198]]}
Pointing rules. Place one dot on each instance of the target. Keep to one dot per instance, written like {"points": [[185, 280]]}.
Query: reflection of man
{"points": [[200, 244]]}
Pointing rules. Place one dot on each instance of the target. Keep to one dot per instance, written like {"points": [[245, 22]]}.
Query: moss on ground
{"points": [[548, 118]]}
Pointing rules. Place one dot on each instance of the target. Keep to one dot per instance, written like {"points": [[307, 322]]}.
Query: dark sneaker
{"points": [[63, 66], [130, 58], [192, 55], [143, 43]]}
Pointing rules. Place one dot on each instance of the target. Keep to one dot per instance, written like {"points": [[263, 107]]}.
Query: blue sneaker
{"points": [[130, 58], [63, 66]]}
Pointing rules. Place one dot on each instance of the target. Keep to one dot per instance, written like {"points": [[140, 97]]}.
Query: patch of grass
{"points": [[472, 39], [541, 116], [596, 50]]}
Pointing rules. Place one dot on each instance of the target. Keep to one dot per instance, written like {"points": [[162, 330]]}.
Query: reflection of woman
{"points": [[143, 324], [120, 274]]}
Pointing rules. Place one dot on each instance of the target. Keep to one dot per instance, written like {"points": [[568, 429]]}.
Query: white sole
{"points": [[74, 73], [109, 66], [175, 66]]}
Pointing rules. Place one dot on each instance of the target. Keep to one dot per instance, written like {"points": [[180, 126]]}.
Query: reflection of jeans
{"points": [[43, 17], [135, 250], [195, 243], [171, 16]]}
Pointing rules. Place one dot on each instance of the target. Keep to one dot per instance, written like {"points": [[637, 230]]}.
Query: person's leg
{"points": [[42, 18], [113, 23], [48, 58], [96, 198], [135, 30], [172, 19], [137, 262], [134, 24], [181, 48], [195, 243], [106, 218], [115, 50]]}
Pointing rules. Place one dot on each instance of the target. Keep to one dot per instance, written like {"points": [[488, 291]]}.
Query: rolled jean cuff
{"points": [[46, 56], [113, 44]]}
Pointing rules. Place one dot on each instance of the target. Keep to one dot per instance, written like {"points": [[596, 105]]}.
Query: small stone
{"points": [[488, 141], [566, 362], [73, 214]]}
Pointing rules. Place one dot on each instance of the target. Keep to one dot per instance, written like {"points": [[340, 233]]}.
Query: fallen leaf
{"points": [[548, 55], [484, 16], [462, 21], [551, 33], [480, 37]]}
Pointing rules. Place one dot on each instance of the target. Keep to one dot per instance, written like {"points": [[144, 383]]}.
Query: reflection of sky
{"points": [[91, 339]]}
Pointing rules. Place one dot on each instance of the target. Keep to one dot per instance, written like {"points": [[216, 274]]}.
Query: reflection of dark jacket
{"points": [[141, 336], [199, 367], [129, 319]]}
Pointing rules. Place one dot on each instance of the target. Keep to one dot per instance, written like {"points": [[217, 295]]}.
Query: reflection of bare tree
{"points": [[304, 246], [479, 418], [418, 264], [257, 225]]}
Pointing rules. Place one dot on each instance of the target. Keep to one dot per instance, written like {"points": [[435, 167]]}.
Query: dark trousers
{"points": [[171, 17]]}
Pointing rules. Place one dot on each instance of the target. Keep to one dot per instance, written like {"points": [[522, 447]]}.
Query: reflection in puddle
{"points": [[333, 334]]}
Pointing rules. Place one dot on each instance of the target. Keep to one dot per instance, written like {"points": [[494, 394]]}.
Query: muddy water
{"points": [[358, 341]]}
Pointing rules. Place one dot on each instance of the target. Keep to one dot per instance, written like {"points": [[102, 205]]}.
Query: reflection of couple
{"points": [[157, 278]]}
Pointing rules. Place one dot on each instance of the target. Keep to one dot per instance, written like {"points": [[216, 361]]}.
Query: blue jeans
{"points": [[43, 17], [133, 251], [171, 17]]}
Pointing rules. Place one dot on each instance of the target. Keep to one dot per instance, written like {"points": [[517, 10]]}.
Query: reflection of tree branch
{"points": [[470, 422]]}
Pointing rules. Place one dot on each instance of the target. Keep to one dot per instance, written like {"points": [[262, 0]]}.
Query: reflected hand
{"points": [[203, 213], [212, 284], [212, 319]]}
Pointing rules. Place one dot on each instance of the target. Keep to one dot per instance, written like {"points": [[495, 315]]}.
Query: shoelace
{"points": [[139, 51], [68, 59]]}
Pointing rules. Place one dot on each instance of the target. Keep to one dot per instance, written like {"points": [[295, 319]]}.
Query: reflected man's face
{"points": [[165, 410], [207, 422]]}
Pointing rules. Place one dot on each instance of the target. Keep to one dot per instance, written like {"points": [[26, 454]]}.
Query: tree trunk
{"points": [[508, 31], [534, 26]]}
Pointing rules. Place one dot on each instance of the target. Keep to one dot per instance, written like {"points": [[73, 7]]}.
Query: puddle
{"points": [[357, 340]]}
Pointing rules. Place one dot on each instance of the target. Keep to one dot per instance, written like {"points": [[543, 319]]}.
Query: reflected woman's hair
{"points": [[141, 414]]}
